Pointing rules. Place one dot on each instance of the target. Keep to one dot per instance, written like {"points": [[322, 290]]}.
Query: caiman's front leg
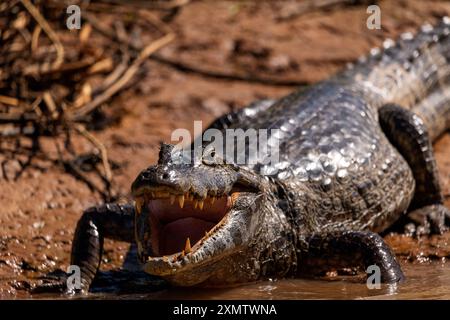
{"points": [[347, 249], [112, 221], [407, 132]]}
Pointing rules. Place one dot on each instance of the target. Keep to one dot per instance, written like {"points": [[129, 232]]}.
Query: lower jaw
{"points": [[211, 251], [181, 272], [219, 271], [195, 274]]}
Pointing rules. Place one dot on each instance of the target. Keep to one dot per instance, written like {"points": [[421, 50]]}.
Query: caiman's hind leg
{"points": [[407, 132], [349, 249], [106, 221]]}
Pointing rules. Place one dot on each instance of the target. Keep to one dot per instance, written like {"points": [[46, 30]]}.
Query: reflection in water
{"points": [[424, 281], [392, 289]]}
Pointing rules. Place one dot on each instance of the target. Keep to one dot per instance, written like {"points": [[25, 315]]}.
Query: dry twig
{"points": [[129, 73], [49, 31], [100, 146]]}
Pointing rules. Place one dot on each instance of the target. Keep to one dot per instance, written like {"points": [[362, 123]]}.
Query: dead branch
{"points": [[100, 146], [180, 66]]}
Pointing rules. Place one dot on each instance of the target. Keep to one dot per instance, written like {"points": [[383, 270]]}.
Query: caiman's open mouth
{"points": [[179, 223]]}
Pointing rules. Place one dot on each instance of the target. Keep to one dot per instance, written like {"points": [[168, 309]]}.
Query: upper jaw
{"points": [[144, 194], [199, 181]]}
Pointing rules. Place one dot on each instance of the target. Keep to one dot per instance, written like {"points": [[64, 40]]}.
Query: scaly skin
{"points": [[355, 156]]}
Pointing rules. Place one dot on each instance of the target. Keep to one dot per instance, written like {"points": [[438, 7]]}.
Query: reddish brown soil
{"points": [[40, 209]]}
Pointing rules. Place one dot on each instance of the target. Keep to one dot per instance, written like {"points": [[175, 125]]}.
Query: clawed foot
{"points": [[428, 220], [54, 282], [120, 281]]}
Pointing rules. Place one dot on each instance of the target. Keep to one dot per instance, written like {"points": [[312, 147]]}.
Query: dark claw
{"points": [[50, 284]]}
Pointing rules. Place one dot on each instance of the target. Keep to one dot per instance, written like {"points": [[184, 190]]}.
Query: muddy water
{"points": [[424, 281], [430, 281]]}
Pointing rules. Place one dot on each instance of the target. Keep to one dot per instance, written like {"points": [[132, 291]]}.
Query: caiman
{"points": [[355, 158]]}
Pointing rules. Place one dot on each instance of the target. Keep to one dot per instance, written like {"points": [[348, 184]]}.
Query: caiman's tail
{"points": [[413, 72], [435, 111], [434, 68]]}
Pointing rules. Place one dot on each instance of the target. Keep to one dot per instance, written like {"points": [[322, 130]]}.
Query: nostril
{"points": [[145, 174], [165, 176]]}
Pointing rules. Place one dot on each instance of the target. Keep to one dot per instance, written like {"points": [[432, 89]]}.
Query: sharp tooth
{"points": [[172, 199], [187, 247], [182, 253], [234, 197], [212, 199], [195, 204], [200, 204], [138, 204], [181, 201]]}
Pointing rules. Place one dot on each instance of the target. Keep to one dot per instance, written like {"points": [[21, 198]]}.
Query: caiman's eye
{"points": [[210, 156], [181, 155]]}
